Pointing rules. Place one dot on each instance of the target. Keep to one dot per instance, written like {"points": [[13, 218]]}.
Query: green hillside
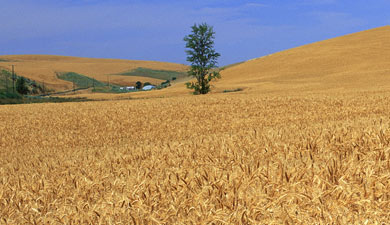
{"points": [[81, 81], [157, 74]]}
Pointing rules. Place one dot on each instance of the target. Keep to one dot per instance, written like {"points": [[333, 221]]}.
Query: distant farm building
{"points": [[129, 88], [148, 87]]}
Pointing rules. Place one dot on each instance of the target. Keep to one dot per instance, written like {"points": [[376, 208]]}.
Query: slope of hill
{"points": [[359, 60], [43, 68]]}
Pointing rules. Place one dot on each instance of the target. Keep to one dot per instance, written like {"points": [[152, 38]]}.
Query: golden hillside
{"points": [[359, 60], [43, 68]]}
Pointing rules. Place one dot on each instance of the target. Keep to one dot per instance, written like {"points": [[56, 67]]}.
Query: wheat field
{"points": [[43, 68], [221, 159], [279, 152]]}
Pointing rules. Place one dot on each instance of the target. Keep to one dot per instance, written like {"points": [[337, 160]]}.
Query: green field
{"points": [[81, 81], [157, 74]]}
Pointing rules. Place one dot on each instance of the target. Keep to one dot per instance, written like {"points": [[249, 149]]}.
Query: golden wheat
{"points": [[219, 159]]}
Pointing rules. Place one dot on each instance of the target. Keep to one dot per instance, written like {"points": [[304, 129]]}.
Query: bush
{"points": [[234, 90], [147, 83], [21, 86], [138, 85], [165, 84]]}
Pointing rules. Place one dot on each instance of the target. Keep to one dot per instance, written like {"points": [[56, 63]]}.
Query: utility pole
{"points": [[44, 90], [108, 80], [73, 88], [13, 77]]}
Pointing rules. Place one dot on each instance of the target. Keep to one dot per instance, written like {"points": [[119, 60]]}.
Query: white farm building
{"points": [[148, 87]]}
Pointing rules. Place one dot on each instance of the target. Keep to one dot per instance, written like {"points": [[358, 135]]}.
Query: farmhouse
{"points": [[148, 87]]}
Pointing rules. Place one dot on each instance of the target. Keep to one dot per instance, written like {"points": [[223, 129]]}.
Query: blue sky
{"points": [[154, 29]]}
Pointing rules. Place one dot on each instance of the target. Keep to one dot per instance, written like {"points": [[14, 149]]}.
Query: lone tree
{"points": [[202, 56]]}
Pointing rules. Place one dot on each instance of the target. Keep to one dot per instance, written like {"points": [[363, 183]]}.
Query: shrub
{"points": [[21, 86], [138, 85], [234, 90]]}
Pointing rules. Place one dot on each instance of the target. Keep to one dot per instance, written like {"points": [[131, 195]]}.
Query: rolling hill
{"points": [[360, 60], [354, 62], [44, 68]]}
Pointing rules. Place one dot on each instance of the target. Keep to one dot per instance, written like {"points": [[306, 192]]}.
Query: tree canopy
{"points": [[202, 56]]}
